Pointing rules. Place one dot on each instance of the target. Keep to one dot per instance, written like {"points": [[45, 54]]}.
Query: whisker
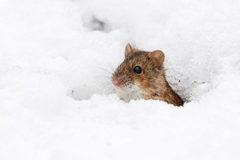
{"points": [[107, 71], [109, 64], [103, 76], [107, 86], [111, 67]]}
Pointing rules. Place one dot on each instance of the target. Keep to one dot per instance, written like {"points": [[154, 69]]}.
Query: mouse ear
{"points": [[128, 50], [157, 57]]}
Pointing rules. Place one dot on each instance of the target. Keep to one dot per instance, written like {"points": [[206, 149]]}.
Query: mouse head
{"points": [[139, 71]]}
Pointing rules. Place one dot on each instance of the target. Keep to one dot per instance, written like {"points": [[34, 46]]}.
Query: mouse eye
{"points": [[137, 69]]}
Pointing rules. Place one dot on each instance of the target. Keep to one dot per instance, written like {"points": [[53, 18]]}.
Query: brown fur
{"points": [[152, 80]]}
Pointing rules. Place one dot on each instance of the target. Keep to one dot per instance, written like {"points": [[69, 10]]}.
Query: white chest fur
{"points": [[130, 92]]}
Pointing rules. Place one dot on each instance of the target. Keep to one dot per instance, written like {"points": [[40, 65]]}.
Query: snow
{"points": [[57, 102]]}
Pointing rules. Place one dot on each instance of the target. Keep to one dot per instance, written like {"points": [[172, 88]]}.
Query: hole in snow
{"points": [[93, 23]]}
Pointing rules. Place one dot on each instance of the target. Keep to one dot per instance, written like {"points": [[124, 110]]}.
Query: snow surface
{"points": [[56, 60]]}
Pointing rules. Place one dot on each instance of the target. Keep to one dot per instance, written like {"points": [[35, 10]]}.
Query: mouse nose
{"points": [[117, 82]]}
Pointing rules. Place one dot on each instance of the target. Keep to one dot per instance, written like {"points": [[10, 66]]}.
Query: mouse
{"points": [[141, 75]]}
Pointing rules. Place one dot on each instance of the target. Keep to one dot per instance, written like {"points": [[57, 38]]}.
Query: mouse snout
{"points": [[116, 82]]}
